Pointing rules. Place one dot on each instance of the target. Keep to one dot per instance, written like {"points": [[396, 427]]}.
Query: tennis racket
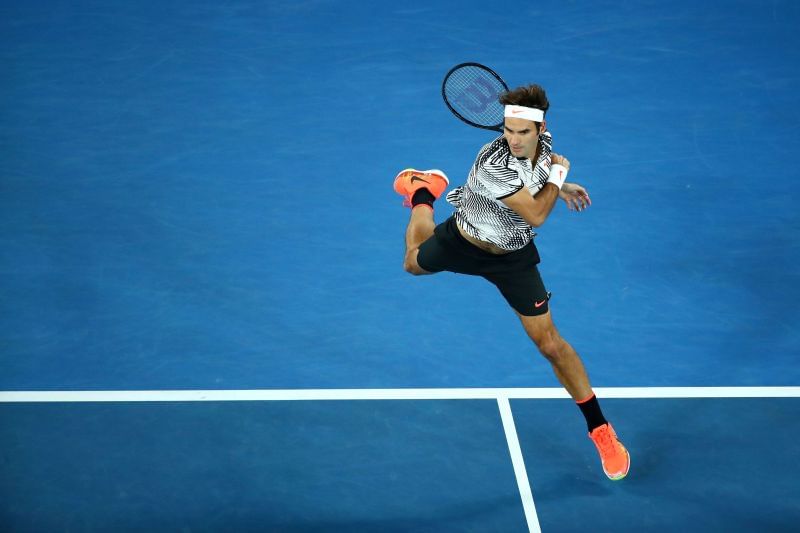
{"points": [[470, 91]]}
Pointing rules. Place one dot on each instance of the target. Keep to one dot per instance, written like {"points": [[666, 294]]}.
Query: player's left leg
{"points": [[419, 189], [420, 229], [570, 371]]}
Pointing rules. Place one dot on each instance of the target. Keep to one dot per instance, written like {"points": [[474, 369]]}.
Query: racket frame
{"points": [[496, 127]]}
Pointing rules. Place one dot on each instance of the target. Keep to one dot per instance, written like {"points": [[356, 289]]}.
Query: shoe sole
{"points": [[398, 185]]}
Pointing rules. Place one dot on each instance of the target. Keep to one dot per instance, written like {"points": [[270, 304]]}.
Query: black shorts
{"points": [[514, 274]]}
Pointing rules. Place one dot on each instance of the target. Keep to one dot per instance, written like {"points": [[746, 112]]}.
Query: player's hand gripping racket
{"points": [[470, 90]]}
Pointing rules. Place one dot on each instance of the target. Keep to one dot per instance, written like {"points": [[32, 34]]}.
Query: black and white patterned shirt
{"points": [[495, 175]]}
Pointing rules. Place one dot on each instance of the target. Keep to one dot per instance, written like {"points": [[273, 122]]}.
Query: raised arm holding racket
{"points": [[511, 189]]}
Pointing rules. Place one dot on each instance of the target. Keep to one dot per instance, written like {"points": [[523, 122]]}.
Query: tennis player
{"points": [[511, 189]]}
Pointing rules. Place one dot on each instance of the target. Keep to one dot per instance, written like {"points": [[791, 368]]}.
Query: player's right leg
{"points": [[419, 189], [569, 369], [525, 292]]}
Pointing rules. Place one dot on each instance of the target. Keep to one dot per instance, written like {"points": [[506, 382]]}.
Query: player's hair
{"points": [[528, 96]]}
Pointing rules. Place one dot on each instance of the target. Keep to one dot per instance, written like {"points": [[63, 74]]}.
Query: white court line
{"points": [[501, 395], [388, 394], [519, 466]]}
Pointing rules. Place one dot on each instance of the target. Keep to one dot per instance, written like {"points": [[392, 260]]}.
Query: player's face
{"points": [[522, 137]]}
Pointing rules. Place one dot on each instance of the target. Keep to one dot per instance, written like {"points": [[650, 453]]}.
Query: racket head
{"points": [[471, 91]]}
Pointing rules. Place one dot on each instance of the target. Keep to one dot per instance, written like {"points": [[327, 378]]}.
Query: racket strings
{"points": [[472, 92]]}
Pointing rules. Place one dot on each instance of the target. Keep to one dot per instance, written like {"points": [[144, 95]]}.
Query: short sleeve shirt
{"points": [[497, 174]]}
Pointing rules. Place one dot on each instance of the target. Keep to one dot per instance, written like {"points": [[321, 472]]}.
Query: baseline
{"points": [[223, 395]]}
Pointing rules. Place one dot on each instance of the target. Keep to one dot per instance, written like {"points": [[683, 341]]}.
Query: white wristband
{"points": [[558, 174]]}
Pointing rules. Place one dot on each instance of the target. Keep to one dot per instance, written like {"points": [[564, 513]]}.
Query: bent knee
{"points": [[411, 266]]}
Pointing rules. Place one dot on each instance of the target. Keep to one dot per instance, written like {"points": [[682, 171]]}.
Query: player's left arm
{"points": [[576, 196]]}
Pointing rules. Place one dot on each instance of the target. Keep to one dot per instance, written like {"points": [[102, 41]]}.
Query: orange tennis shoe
{"points": [[616, 459], [408, 181]]}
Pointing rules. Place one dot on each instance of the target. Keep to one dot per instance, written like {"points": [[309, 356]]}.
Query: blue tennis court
{"points": [[204, 320]]}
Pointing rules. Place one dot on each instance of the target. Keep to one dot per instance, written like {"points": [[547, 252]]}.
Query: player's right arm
{"points": [[535, 209]]}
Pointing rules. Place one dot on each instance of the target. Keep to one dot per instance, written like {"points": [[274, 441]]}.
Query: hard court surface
{"points": [[195, 198]]}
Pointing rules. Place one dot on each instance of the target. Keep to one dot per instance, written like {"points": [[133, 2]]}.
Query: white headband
{"points": [[528, 113]]}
